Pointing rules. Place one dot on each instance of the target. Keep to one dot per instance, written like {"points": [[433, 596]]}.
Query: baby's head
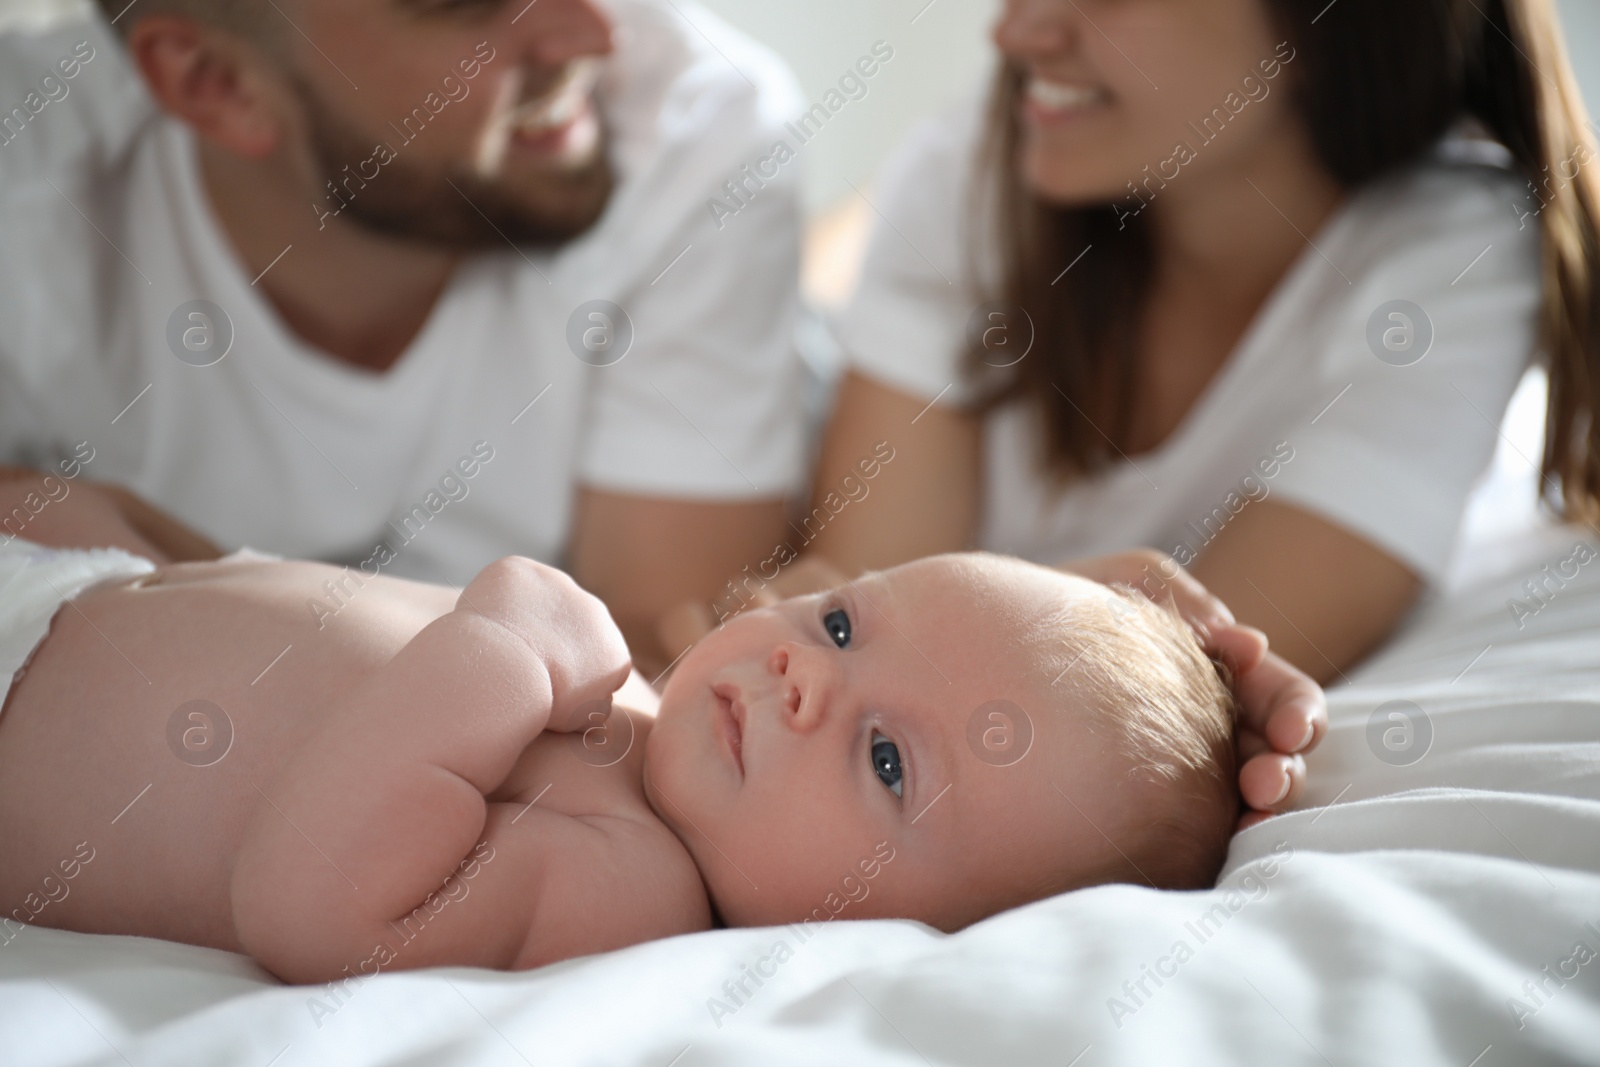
{"points": [[942, 741]]}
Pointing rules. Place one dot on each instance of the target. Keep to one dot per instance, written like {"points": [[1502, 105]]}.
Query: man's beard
{"points": [[449, 204]]}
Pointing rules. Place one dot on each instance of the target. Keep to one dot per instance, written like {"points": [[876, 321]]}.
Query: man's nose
{"points": [[807, 682], [1035, 29], [556, 32]]}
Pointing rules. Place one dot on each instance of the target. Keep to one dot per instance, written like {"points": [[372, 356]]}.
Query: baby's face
{"points": [[800, 745]]}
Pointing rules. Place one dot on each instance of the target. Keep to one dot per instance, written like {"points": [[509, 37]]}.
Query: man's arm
{"points": [[643, 556]]}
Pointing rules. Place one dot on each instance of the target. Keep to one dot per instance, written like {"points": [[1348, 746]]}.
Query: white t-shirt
{"points": [[106, 232], [1303, 411]]}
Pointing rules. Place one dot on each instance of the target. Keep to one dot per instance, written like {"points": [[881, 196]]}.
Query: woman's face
{"points": [[1122, 98]]}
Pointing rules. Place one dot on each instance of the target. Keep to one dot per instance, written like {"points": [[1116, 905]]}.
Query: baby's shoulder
{"points": [[622, 879]]}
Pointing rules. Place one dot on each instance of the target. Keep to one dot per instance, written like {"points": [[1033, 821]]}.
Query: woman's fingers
{"points": [[1271, 781], [1248, 744], [1158, 576], [1282, 703], [1240, 647], [1276, 700]]}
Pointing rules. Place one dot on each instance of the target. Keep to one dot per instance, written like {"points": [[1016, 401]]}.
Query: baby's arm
{"points": [[387, 798]]}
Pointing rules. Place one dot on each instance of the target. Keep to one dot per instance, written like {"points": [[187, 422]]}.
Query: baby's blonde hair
{"points": [[1167, 709]]}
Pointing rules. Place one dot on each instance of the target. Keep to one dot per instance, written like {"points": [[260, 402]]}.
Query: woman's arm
{"points": [[1324, 596], [923, 502]]}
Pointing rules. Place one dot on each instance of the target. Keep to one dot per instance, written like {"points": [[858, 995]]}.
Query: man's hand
{"points": [[117, 518], [1282, 712], [169, 536]]}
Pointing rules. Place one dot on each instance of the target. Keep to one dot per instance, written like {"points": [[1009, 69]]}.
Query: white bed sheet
{"points": [[1394, 920], [1394, 925]]}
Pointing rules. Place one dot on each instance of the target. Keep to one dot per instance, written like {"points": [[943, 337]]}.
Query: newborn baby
{"points": [[424, 777]]}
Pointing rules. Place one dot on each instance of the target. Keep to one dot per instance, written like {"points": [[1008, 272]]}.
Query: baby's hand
{"points": [[568, 628]]}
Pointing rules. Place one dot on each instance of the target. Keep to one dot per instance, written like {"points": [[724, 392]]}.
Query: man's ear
{"points": [[211, 80]]}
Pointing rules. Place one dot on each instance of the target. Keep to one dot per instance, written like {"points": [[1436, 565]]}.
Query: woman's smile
{"points": [[1051, 101]]}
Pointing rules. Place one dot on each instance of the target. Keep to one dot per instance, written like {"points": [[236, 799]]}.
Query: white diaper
{"points": [[35, 581]]}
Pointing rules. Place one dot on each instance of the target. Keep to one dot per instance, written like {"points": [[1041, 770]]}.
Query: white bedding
{"points": [[1393, 920], [1395, 926]]}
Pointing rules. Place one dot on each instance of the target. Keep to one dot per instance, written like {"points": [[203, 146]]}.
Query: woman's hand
{"points": [[1282, 712]]}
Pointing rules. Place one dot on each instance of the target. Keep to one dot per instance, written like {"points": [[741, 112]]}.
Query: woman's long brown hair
{"points": [[1377, 83]]}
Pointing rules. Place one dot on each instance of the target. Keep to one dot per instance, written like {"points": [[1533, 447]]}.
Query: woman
{"points": [[1246, 281]]}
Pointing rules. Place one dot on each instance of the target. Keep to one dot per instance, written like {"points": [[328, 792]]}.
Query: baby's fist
{"points": [[565, 626]]}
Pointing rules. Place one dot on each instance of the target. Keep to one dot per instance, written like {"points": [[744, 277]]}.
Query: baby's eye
{"points": [[886, 763], [837, 623]]}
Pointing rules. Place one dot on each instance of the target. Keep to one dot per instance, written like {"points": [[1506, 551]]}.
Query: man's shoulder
{"points": [[685, 80], [68, 100], [689, 102], [694, 59]]}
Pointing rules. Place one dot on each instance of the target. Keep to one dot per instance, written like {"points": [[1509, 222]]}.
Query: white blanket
{"points": [[1444, 912]]}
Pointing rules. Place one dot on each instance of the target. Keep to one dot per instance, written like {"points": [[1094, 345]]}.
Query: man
{"points": [[410, 284]]}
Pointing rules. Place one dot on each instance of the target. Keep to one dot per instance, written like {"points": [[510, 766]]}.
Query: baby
{"points": [[341, 774]]}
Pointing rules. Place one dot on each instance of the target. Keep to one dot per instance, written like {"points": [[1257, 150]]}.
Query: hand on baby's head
{"points": [[1001, 730]]}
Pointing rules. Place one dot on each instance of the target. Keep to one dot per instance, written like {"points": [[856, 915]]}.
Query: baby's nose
{"points": [[779, 664], [799, 685]]}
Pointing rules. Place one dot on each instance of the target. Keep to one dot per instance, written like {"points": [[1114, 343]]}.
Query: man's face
{"points": [[459, 122]]}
